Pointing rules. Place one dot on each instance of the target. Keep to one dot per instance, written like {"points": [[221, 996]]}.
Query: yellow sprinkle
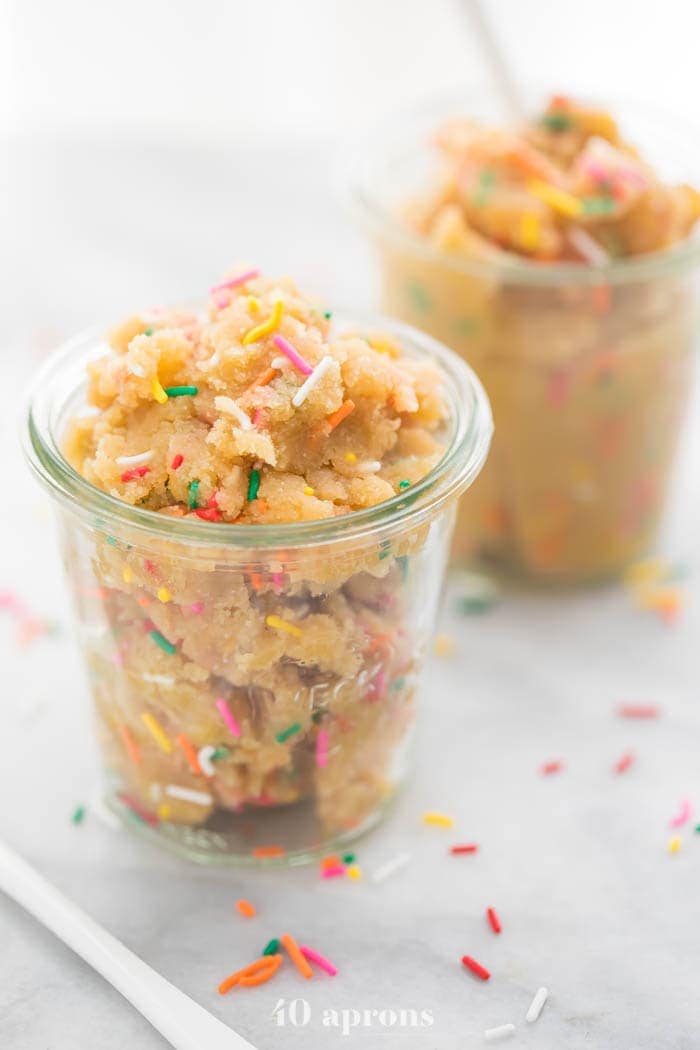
{"points": [[649, 571], [444, 645], [158, 392], [350, 457], [164, 594], [164, 811], [557, 199], [354, 872], [529, 231], [674, 843], [266, 327], [253, 304], [157, 732], [127, 574], [283, 625], [440, 820], [308, 491]]}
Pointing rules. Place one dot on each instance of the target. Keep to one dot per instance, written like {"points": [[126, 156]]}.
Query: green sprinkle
{"points": [[598, 205], [148, 331], [385, 549], [193, 489], [111, 541], [286, 733], [181, 391], [349, 858], [556, 121], [272, 947], [327, 314], [404, 484], [476, 604], [253, 485], [466, 326], [397, 684], [418, 296], [486, 182], [165, 645], [220, 752], [78, 815], [403, 562]]}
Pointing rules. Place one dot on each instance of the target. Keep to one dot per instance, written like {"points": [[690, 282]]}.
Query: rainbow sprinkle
{"points": [[235, 282], [272, 947], [322, 748], [283, 625], [192, 490], [181, 391], [163, 642], [158, 392], [157, 732], [314, 379], [227, 715], [266, 327], [289, 351], [286, 733], [253, 485], [439, 820]]}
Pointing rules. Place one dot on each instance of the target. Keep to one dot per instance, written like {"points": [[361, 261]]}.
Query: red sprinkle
{"points": [[624, 762], [638, 711], [469, 847], [551, 767], [178, 460], [137, 808], [475, 967], [209, 513], [494, 921], [135, 472]]}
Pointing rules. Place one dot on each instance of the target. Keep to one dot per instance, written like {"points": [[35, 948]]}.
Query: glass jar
{"points": [[587, 368], [254, 686]]}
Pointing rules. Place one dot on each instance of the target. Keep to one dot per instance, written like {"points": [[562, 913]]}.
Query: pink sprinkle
{"points": [[277, 581], [638, 711], [322, 748], [287, 349], [234, 282], [221, 301], [551, 767], [226, 714], [137, 808], [624, 762], [558, 387], [320, 960], [379, 686], [683, 814], [197, 607], [257, 416], [333, 872], [8, 600]]}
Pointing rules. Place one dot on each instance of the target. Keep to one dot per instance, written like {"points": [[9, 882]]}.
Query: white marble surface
{"points": [[592, 904]]}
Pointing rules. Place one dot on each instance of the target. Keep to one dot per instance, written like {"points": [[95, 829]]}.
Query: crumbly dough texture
{"points": [[588, 382], [310, 650]]}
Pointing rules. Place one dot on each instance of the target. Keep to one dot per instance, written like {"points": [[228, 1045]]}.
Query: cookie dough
{"points": [[587, 376], [234, 678]]}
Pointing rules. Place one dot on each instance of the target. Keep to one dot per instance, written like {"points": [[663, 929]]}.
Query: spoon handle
{"points": [[185, 1024]]}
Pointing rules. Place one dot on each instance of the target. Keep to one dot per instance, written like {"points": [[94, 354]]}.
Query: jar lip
{"points": [[468, 443], [355, 186]]}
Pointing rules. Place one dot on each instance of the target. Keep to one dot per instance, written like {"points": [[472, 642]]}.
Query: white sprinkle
{"points": [[308, 385], [369, 466], [135, 461], [535, 1008], [503, 1031], [279, 363], [136, 370], [158, 679], [200, 798], [587, 246], [227, 404], [391, 866], [156, 792], [89, 412], [204, 755]]}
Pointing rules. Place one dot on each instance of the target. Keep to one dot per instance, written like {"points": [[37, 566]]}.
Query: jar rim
{"points": [[468, 443], [357, 175]]}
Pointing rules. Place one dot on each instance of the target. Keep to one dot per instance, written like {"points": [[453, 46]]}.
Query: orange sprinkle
{"points": [[130, 745], [246, 909], [294, 953], [263, 379], [269, 851], [339, 415], [256, 581], [333, 861], [143, 601], [190, 754], [602, 298], [255, 973]]}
